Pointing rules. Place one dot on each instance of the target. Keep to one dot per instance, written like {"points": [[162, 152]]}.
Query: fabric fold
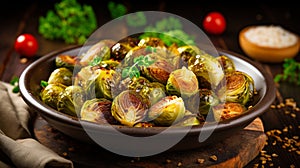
{"points": [[18, 148]]}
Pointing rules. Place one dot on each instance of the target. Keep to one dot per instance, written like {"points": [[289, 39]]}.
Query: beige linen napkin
{"points": [[18, 148]]}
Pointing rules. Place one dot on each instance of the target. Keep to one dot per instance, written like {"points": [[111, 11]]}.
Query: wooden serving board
{"points": [[235, 151]]}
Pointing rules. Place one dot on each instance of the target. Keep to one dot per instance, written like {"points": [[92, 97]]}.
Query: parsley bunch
{"points": [[70, 21], [169, 30], [291, 72], [116, 9]]}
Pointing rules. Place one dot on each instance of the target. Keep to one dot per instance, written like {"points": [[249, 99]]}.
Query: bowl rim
{"points": [[238, 121]]}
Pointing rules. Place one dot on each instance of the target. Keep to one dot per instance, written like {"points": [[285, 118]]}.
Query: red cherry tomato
{"points": [[26, 45], [214, 23]]}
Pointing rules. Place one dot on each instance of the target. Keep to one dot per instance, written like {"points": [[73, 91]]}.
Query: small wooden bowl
{"points": [[266, 54]]}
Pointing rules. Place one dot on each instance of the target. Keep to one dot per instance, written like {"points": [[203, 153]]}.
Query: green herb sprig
{"points": [[15, 82], [44, 83], [68, 21], [291, 72], [169, 30], [133, 70], [116, 9]]}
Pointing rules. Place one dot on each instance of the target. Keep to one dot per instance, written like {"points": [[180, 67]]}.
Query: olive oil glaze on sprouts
{"points": [[145, 83]]}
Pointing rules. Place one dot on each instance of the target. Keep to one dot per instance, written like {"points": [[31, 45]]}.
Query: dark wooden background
{"points": [[22, 17]]}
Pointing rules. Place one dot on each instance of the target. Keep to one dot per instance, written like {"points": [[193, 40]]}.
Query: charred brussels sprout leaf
{"points": [[129, 108], [97, 110], [66, 61], [159, 71], [167, 111], [227, 110]]}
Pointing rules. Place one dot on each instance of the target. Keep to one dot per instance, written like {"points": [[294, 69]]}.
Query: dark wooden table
{"points": [[22, 17]]}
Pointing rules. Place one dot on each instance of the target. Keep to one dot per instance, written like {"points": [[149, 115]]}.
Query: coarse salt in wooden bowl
{"points": [[269, 43]]}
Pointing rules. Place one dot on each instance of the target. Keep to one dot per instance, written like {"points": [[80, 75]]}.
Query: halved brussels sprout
{"points": [[182, 82], [167, 111], [134, 53], [71, 100], [150, 91], [227, 63], [61, 75], [227, 110], [239, 87], [190, 119], [67, 61], [51, 93], [202, 102], [101, 50], [97, 110], [153, 92], [208, 70], [159, 71], [129, 108]]}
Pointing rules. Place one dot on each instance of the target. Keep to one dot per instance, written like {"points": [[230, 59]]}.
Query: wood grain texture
{"points": [[235, 151]]}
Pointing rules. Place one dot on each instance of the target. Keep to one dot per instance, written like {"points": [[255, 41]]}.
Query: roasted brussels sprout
{"points": [[159, 71], [134, 53], [190, 119], [119, 51], [121, 48], [202, 102], [227, 110], [208, 70], [61, 75], [101, 50], [239, 87], [86, 77], [97, 110], [182, 82], [153, 92], [129, 108], [167, 111], [152, 42], [227, 63], [105, 81], [109, 64], [67, 61], [71, 100], [51, 93], [186, 52]]}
